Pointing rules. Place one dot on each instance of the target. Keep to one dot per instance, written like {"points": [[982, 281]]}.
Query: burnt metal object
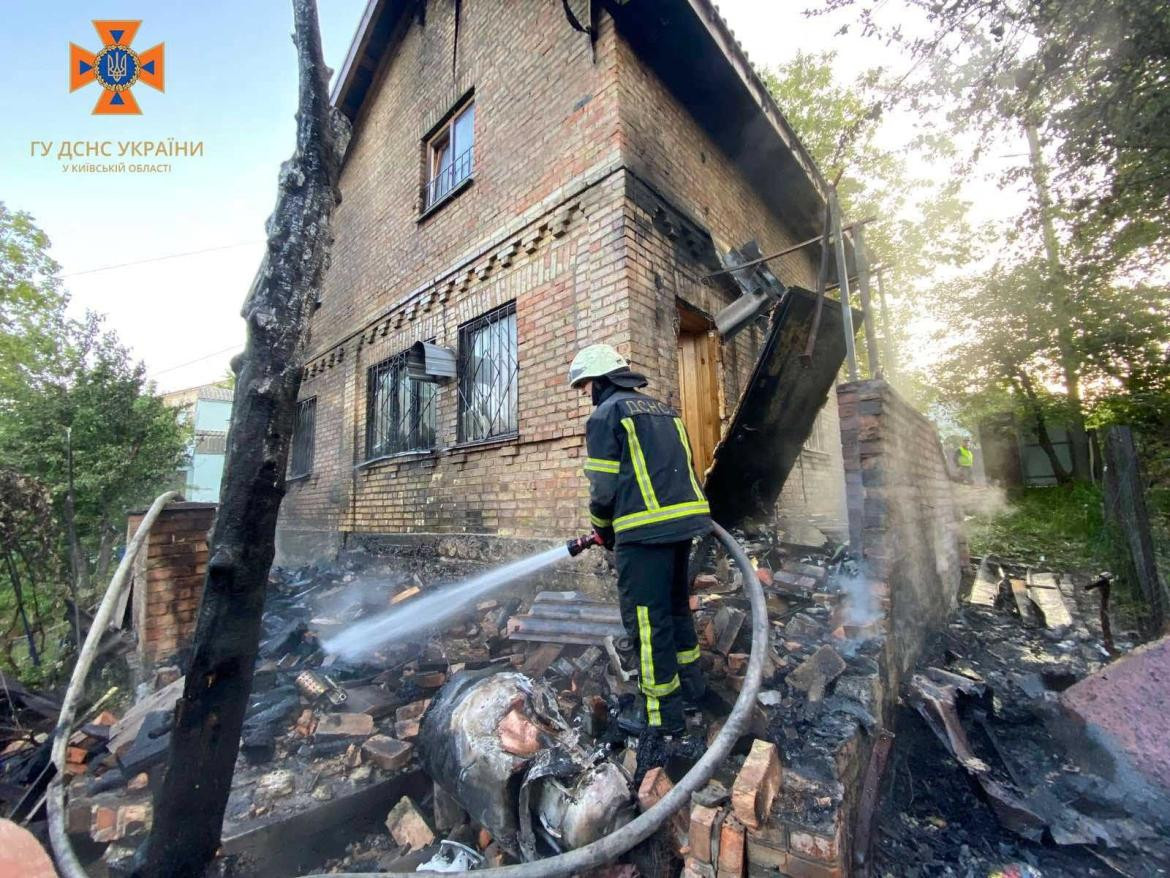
{"points": [[556, 789], [1103, 584], [776, 412], [1028, 812], [209, 717], [759, 289], [568, 617]]}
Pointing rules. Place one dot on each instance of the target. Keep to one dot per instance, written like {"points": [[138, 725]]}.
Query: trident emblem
{"points": [[116, 67]]}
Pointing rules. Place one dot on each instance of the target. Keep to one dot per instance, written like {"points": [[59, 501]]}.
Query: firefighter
{"points": [[646, 504]]}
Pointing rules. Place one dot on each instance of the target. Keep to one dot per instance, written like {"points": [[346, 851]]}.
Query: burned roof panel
{"points": [[775, 415]]}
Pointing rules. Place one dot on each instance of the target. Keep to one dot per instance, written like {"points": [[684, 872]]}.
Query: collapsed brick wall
{"points": [[903, 517], [167, 578]]}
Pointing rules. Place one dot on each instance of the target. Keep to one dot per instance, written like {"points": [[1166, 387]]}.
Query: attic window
{"points": [[450, 156]]}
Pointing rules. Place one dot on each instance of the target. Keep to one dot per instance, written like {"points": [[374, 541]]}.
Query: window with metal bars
{"points": [[450, 154], [303, 439], [489, 376], [400, 411]]}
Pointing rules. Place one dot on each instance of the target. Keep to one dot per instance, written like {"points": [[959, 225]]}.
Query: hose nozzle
{"points": [[580, 544]]}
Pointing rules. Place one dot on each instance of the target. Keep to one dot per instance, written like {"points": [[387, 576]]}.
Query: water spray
{"points": [[444, 604]]}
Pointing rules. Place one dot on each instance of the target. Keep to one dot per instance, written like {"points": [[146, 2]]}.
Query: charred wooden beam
{"points": [[190, 805]]}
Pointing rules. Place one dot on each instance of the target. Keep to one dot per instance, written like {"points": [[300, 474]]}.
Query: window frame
{"points": [[467, 331], [302, 437], [445, 132], [396, 365]]}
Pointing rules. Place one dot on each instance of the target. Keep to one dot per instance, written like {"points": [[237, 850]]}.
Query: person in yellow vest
{"points": [[965, 461]]}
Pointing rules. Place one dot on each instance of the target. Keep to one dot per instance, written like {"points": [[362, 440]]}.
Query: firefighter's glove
{"points": [[607, 536]]}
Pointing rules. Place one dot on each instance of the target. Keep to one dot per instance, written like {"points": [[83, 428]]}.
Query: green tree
{"points": [[125, 442], [1091, 77], [921, 224], [1000, 350], [32, 303], [83, 437]]}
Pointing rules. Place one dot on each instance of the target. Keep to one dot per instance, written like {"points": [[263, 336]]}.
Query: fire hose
{"points": [[66, 859], [606, 850]]}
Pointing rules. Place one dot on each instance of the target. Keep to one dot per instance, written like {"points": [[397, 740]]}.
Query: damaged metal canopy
{"points": [[776, 412]]}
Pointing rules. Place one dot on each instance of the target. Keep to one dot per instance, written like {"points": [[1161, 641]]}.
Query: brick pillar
{"points": [[904, 521], [167, 578]]}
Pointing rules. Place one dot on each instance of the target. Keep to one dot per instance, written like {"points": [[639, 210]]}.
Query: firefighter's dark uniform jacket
{"points": [[642, 481], [644, 495]]}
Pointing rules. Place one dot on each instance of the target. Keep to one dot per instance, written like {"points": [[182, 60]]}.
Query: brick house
{"points": [[524, 178]]}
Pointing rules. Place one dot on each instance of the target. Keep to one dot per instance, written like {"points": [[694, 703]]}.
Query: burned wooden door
{"points": [[698, 381]]}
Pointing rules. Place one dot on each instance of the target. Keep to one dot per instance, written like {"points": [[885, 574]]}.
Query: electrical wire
{"points": [[161, 258]]}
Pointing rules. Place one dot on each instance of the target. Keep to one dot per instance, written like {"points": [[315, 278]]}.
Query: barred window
{"points": [[488, 376], [400, 411], [450, 156], [304, 438]]}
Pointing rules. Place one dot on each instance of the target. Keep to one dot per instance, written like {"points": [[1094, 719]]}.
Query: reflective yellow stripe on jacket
{"points": [[598, 465], [641, 471], [661, 514]]}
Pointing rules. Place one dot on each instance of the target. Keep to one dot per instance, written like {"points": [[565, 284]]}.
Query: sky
{"points": [[168, 257]]}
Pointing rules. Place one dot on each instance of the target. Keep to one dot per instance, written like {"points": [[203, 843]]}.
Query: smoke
{"points": [[432, 610], [860, 606]]}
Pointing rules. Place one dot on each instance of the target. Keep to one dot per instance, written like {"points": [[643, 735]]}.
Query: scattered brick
{"points": [[406, 730], [695, 868], [344, 725], [655, 785], [407, 826], [413, 710], [756, 785], [386, 752]]}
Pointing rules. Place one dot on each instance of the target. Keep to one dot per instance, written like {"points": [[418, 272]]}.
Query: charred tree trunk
{"points": [[190, 805]]}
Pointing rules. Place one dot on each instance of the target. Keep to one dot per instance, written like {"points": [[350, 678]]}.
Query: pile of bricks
{"points": [[776, 821]]}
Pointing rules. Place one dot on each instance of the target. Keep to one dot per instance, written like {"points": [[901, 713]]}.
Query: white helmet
{"points": [[593, 362]]}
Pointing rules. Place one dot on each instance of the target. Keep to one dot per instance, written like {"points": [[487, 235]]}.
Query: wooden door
{"points": [[699, 389]]}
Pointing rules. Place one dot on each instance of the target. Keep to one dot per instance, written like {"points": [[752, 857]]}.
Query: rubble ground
{"points": [[329, 776], [936, 819]]}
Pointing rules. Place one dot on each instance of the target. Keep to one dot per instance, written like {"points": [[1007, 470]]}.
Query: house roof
{"points": [[693, 51], [201, 391]]}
